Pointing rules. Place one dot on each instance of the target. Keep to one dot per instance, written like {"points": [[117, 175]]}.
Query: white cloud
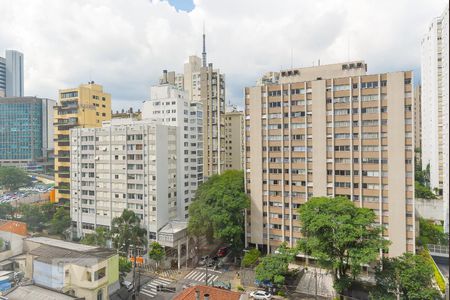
{"points": [[124, 45]]}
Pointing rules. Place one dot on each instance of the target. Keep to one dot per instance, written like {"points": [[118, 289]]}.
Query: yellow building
{"points": [[84, 106]]}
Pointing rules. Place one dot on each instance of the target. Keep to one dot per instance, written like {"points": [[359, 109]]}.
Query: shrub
{"points": [[240, 288]]}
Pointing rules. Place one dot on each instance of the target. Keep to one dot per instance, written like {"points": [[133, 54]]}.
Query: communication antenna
{"points": [[292, 58]]}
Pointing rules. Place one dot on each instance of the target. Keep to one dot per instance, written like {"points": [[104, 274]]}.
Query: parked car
{"points": [[128, 285], [261, 295], [203, 260], [222, 251]]}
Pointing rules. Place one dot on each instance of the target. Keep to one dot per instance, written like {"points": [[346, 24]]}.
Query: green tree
{"points": [[60, 221], [124, 267], [156, 252], [409, 276], [47, 210], [99, 238], [423, 192], [431, 233], [251, 258], [12, 178], [7, 211], [32, 216], [341, 236], [217, 211], [125, 231], [275, 267], [2, 243]]}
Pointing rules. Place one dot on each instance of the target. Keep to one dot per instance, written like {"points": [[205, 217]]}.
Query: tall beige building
{"points": [[330, 130], [85, 106], [205, 84], [234, 140]]}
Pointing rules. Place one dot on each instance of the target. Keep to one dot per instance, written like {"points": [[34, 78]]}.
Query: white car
{"points": [[261, 295]]}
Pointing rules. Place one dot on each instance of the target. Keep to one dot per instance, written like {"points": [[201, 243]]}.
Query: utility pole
{"points": [[206, 270], [315, 275]]}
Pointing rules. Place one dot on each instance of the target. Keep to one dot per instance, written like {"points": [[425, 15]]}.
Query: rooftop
{"points": [[174, 227], [214, 293], [36, 293], [16, 227], [55, 251]]}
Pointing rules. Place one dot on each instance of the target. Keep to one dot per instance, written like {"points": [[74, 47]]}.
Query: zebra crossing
{"points": [[199, 275], [149, 289]]}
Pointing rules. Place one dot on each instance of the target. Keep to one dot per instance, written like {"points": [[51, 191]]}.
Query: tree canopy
{"points": [[341, 236], [156, 252], [12, 178], [7, 211], [251, 258], [33, 216], [275, 267], [126, 232], [99, 238], [408, 275], [217, 211], [60, 221]]}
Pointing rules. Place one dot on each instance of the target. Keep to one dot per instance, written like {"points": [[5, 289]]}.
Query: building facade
{"points": [[123, 165], [203, 83], [26, 132], [435, 105], [85, 106], [168, 105], [82, 271], [11, 74], [234, 140], [331, 131], [418, 118]]}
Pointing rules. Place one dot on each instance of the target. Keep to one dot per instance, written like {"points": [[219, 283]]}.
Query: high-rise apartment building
{"points": [[169, 105], [234, 140], [26, 132], [125, 164], [84, 106], [2, 77], [11, 74], [417, 118], [435, 105], [205, 84], [332, 131]]}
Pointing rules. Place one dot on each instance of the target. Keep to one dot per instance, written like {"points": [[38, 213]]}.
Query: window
{"points": [[99, 274], [100, 294]]}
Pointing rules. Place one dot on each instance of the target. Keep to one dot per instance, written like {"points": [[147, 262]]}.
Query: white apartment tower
{"points": [[171, 106], [435, 105], [123, 165]]}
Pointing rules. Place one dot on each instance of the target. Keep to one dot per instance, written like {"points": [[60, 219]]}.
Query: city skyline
{"points": [[129, 47]]}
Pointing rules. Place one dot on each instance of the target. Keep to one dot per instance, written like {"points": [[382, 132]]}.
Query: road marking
{"points": [[197, 275], [150, 288]]}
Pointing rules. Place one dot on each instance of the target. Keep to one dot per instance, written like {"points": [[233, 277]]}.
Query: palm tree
{"points": [[127, 233]]}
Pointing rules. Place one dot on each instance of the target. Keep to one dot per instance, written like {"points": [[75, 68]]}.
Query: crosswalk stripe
{"points": [[150, 294], [213, 278], [198, 275], [191, 274]]}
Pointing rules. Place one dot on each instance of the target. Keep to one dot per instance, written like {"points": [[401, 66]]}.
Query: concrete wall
{"points": [[430, 209], [16, 244]]}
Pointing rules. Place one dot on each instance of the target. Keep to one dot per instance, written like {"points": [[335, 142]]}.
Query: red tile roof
{"points": [[214, 293], [16, 227]]}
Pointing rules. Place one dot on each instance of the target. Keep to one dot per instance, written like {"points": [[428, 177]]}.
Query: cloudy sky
{"points": [[125, 44]]}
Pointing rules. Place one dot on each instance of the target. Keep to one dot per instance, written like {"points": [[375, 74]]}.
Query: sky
{"points": [[125, 44]]}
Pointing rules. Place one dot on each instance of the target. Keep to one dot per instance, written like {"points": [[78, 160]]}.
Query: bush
{"points": [[437, 275], [250, 258], [281, 293], [240, 288]]}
